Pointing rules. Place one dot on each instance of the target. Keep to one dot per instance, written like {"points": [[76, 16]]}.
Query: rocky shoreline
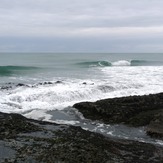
{"points": [[133, 111], [28, 140]]}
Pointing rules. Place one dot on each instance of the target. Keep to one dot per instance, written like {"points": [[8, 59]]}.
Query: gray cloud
{"points": [[74, 22]]}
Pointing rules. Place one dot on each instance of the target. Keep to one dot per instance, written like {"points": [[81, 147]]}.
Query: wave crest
{"points": [[119, 63], [104, 63]]}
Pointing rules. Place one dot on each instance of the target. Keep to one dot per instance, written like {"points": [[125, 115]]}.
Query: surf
{"points": [[105, 63]]}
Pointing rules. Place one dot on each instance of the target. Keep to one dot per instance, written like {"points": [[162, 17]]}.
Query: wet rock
{"points": [[12, 124], [44, 83], [47, 83], [155, 128], [6, 87], [38, 141], [9, 86], [132, 110], [20, 85], [58, 82], [85, 83]]}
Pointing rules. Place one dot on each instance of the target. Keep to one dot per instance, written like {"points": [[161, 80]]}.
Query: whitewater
{"points": [[45, 86]]}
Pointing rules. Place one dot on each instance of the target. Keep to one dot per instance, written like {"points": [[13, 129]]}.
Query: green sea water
{"points": [[45, 86], [46, 66]]}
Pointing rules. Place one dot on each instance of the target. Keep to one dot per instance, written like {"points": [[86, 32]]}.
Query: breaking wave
{"points": [[119, 63]]}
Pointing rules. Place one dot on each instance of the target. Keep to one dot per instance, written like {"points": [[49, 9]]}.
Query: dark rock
{"points": [[58, 82], [20, 85], [44, 83], [37, 141], [155, 128], [12, 124], [6, 87], [47, 83], [85, 83], [40, 83], [132, 110]]}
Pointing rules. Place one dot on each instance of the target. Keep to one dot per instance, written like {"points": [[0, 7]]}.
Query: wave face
{"points": [[119, 63], [15, 70], [145, 63], [94, 64]]}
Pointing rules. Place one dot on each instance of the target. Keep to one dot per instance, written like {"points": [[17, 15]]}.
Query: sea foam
{"points": [[121, 63]]}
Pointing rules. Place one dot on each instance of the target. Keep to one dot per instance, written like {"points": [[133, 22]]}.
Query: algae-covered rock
{"points": [[38, 141], [12, 124], [155, 128], [132, 110]]}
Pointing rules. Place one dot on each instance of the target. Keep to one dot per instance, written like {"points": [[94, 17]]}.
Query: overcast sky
{"points": [[81, 26]]}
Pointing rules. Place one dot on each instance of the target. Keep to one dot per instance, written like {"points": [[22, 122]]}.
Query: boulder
{"points": [[133, 110], [155, 127]]}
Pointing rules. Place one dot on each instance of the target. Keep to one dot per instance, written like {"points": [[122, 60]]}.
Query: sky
{"points": [[111, 26]]}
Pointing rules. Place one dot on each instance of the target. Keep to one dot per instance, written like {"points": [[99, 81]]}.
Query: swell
{"points": [[119, 63], [94, 64], [12, 70], [146, 63]]}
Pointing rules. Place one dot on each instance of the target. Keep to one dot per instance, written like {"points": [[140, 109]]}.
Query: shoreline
{"points": [[28, 140], [133, 111]]}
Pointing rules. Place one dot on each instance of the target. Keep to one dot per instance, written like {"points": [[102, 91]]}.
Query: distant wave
{"points": [[11, 70], [119, 63], [146, 63], [94, 64]]}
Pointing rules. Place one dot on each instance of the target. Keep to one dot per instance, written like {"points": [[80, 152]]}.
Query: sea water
{"points": [[45, 86]]}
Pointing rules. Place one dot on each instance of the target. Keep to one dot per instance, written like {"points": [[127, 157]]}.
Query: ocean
{"points": [[45, 86]]}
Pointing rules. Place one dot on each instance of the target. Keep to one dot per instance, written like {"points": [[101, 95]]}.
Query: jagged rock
{"points": [[12, 124], [20, 85], [58, 82], [6, 87], [47, 83], [132, 110], [27, 140], [155, 128]]}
